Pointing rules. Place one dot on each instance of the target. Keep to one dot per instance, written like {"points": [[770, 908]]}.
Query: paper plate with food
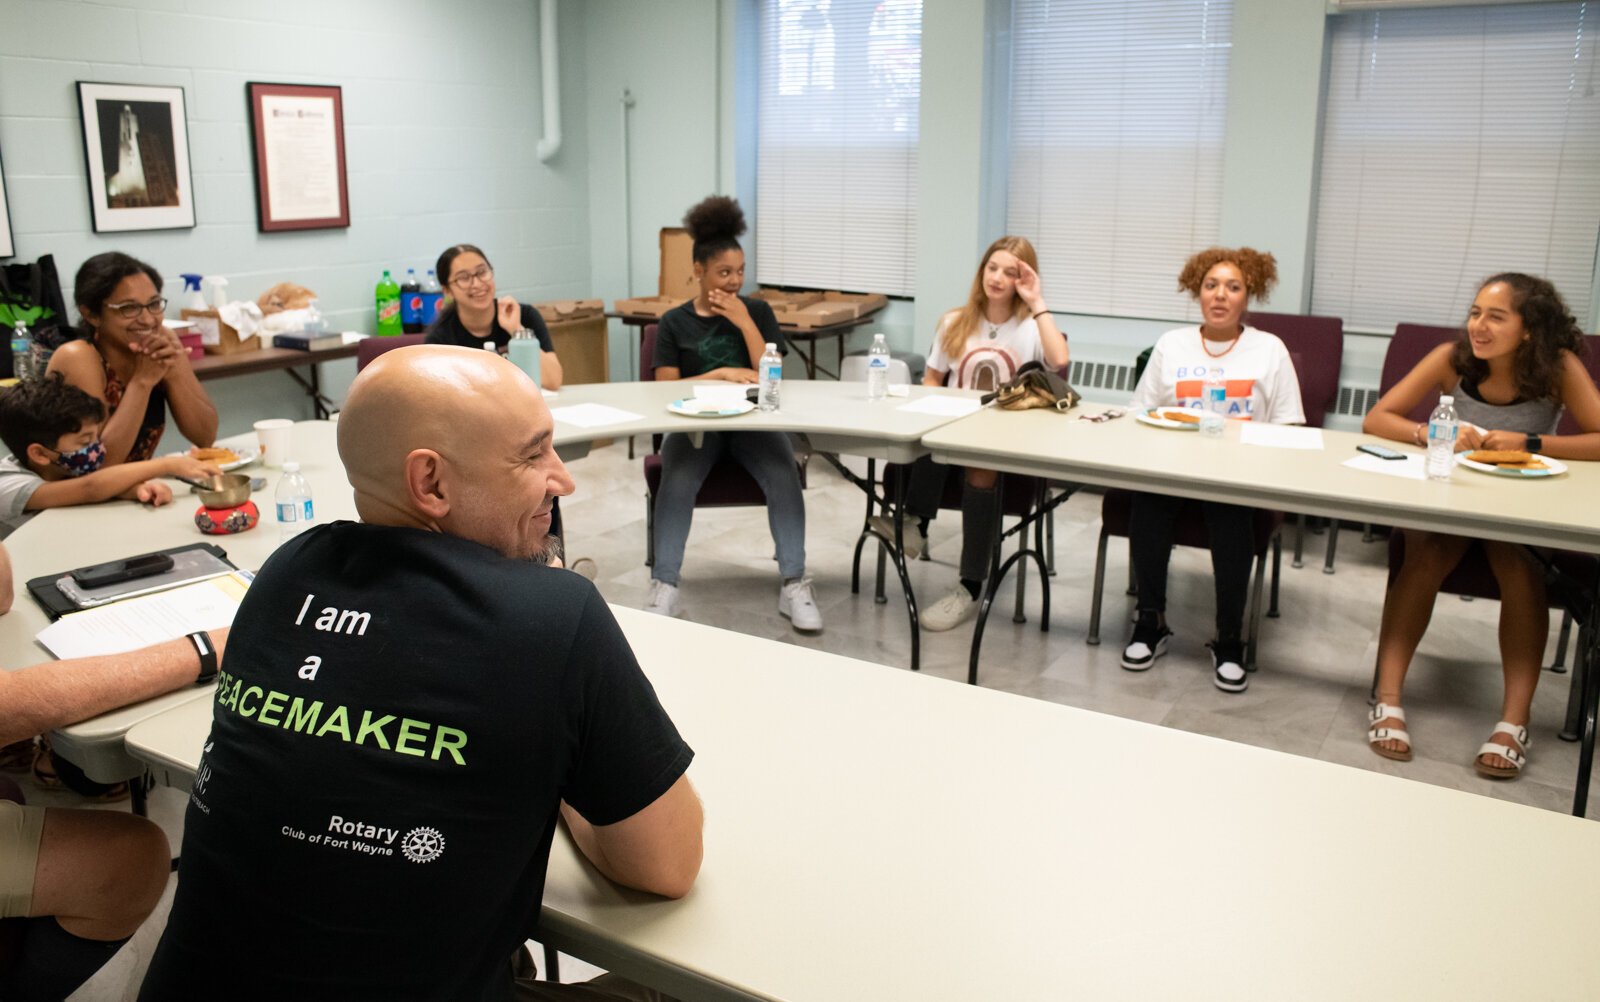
{"points": [[711, 408], [228, 459], [1176, 418], [1510, 463]]}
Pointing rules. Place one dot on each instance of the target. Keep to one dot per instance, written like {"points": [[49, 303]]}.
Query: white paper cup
{"points": [[274, 435]]}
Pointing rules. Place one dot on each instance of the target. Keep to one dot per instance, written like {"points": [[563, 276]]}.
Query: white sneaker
{"points": [[912, 539], [663, 599], [798, 601], [950, 612]]}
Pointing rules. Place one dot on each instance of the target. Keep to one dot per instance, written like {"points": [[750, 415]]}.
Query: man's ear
{"points": [[426, 486]]}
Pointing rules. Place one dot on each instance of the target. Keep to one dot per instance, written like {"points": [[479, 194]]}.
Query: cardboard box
{"points": [[570, 309], [217, 337], [784, 302], [675, 284], [833, 308], [581, 345]]}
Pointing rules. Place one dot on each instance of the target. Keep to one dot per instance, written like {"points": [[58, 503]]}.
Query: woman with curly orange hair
{"points": [[1262, 386]]}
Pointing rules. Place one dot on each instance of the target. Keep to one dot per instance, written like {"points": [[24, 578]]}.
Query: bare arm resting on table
{"points": [[656, 850], [57, 693]]}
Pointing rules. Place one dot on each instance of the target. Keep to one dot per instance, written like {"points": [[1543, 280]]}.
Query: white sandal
{"points": [[1518, 756], [1375, 734]]}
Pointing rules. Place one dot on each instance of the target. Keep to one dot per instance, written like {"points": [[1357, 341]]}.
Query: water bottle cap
{"points": [[290, 466], [1445, 398], [771, 346]]}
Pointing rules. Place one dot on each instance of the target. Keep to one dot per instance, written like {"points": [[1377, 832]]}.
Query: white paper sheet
{"points": [[592, 415], [1280, 436], [149, 619], [721, 393], [1411, 467], [942, 406]]}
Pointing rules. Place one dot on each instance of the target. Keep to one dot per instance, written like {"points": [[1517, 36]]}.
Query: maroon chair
{"points": [[1317, 346], [1591, 360], [370, 348], [728, 485]]}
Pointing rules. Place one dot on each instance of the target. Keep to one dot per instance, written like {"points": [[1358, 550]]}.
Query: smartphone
{"points": [[1380, 451], [117, 571]]}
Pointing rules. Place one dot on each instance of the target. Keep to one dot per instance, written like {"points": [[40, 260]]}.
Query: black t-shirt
{"points": [[697, 344], [448, 329], [398, 715]]}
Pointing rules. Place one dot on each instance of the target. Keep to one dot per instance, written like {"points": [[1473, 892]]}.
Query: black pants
{"points": [[980, 511], [1232, 530]]}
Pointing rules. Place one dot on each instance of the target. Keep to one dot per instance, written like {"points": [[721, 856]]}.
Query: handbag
{"points": [[1034, 386], [30, 293]]}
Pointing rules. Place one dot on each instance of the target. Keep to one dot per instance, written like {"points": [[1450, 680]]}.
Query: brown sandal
{"points": [[47, 777]]}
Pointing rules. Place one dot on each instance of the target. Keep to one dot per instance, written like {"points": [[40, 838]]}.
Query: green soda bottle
{"points": [[389, 322]]}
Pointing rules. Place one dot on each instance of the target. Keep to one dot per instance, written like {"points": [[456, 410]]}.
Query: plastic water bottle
{"points": [[523, 350], [293, 498], [431, 295], [878, 369], [1213, 405], [411, 303], [388, 297], [771, 370], [313, 325], [1442, 430], [21, 351]]}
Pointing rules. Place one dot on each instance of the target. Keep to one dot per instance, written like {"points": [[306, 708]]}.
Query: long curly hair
{"points": [[1536, 367], [1260, 270], [715, 224], [961, 323]]}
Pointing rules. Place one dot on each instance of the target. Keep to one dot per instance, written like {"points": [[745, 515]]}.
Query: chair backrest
{"points": [[1591, 360], [854, 370], [370, 348], [1318, 343], [647, 353], [1410, 344]]}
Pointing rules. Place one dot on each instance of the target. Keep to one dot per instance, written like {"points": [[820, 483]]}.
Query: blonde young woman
{"points": [[1004, 323], [1512, 371]]}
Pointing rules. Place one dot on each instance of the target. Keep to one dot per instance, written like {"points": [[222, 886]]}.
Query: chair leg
{"points": [[1018, 616], [1099, 590], [1333, 545], [1299, 540], [649, 530], [1277, 562], [1050, 542], [1559, 666], [1366, 532], [1255, 614], [1572, 727]]}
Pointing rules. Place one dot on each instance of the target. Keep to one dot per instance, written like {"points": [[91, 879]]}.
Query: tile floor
{"points": [[1308, 698]]}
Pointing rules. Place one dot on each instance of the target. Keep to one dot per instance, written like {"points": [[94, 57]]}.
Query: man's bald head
{"points": [[454, 440]]}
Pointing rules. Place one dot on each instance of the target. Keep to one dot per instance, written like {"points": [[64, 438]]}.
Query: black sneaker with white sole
{"points": [[1149, 642], [1227, 658]]}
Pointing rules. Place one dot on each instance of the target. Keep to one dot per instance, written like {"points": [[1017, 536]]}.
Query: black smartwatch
{"points": [[208, 656], [1535, 443]]}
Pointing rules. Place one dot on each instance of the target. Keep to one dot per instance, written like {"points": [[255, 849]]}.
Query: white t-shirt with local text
{"points": [[1257, 371]]}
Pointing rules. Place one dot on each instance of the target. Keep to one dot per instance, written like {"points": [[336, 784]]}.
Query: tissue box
{"points": [[217, 337]]}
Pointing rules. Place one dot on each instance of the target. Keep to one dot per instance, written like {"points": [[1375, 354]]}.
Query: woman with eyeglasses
{"points": [[472, 314], [131, 362]]}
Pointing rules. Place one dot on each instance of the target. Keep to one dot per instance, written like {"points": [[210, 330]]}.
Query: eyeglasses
{"points": [[129, 311], [466, 278]]}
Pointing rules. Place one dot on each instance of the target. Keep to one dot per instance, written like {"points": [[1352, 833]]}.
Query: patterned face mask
{"points": [[85, 460]]}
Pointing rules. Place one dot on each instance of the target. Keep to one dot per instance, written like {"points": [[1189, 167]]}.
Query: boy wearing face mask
{"points": [[57, 459]]}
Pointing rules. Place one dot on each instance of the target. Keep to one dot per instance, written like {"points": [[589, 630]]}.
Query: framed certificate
{"points": [[136, 157], [298, 134]]}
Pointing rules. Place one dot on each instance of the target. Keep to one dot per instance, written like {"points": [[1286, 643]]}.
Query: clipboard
{"points": [[192, 562]]}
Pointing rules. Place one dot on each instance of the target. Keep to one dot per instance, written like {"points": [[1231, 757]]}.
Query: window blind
{"points": [[836, 171], [1118, 111], [1457, 142]]}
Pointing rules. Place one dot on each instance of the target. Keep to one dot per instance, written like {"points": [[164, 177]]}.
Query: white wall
{"points": [[442, 113]]}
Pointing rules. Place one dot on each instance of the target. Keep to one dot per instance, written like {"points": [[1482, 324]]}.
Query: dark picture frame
{"points": [[8, 245], [136, 157], [297, 135]]}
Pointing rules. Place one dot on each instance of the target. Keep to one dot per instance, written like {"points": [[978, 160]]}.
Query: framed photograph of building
{"points": [[298, 133], [136, 156]]}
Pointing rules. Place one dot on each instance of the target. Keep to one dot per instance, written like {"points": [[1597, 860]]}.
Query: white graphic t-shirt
{"points": [[992, 355], [1257, 372]]}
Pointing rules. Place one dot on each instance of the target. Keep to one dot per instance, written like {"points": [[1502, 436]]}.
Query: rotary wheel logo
{"points": [[422, 845]]}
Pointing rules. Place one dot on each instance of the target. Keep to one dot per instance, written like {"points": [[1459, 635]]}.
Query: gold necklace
{"points": [[1232, 344]]}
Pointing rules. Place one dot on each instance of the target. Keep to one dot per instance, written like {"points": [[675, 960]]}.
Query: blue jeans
{"points": [[769, 458]]}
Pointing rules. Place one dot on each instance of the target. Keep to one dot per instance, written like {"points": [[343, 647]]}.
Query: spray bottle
{"points": [[192, 299]]}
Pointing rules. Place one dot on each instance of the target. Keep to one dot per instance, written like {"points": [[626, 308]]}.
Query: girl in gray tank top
{"points": [[1515, 366]]}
